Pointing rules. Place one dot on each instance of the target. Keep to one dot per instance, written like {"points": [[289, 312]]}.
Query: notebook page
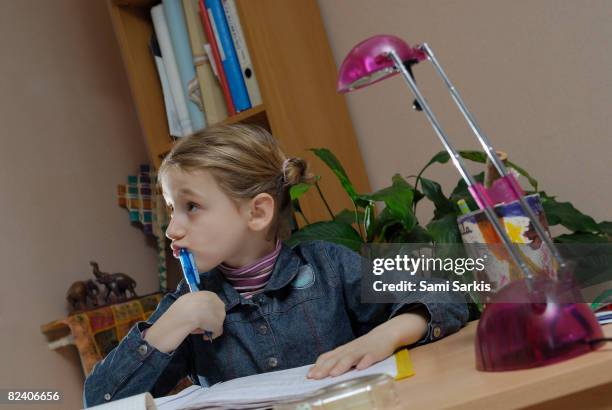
{"points": [[264, 388]]}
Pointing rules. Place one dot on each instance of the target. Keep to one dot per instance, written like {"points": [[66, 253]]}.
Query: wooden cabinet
{"points": [[297, 77]]}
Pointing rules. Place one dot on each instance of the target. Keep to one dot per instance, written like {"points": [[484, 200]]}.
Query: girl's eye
{"points": [[191, 206]]}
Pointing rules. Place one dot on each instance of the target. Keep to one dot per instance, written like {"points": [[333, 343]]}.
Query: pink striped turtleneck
{"points": [[252, 278]]}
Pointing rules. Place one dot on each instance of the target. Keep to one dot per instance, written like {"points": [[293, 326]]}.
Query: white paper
{"points": [[211, 59], [263, 389], [604, 317]]}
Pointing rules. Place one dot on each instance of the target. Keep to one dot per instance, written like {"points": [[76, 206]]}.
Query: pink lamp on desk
{"points": [[530, 322]]}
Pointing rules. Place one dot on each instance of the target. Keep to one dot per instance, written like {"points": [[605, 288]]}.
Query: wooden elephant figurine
{"points": [[82, 295], [117, 283]]}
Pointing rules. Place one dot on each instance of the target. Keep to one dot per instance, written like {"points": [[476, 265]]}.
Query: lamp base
{"points": [[522, 329]]}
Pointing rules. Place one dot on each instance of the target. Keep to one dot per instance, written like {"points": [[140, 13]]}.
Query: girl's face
{"points": [[204, 219]]}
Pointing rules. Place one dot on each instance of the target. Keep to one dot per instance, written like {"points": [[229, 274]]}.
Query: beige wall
{"points": [[536, 74], [69, 135]]}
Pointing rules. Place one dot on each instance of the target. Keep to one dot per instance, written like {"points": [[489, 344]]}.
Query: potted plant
{"points": [[397, 221]]}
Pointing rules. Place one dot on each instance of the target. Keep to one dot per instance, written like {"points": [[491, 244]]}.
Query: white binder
{"points": [[244, 58]]}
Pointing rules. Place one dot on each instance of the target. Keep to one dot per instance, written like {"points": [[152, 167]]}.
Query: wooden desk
{"points": [[446, 378]]}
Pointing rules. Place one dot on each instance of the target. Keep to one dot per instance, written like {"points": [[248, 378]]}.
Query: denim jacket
{"points": [[310, 305]]}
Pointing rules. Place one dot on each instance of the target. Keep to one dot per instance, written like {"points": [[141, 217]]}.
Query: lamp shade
{"points": [[368, 62]]}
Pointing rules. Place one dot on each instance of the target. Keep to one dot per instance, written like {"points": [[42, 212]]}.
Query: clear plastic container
{"points": [[375, 391]]}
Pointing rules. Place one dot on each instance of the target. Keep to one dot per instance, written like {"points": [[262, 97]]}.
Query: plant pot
{"points": [[480, 239]]}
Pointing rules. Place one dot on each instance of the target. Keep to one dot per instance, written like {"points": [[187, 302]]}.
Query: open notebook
{"points": [[260, 390]]}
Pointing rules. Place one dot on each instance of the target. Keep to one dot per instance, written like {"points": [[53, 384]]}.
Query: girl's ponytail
{"points": [[295, 171]]}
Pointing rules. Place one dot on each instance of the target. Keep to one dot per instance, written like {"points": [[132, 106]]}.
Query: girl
{"points": [[269, 307]]}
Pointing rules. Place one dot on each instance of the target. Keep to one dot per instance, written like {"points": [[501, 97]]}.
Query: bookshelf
{"points": [[296, 75]]}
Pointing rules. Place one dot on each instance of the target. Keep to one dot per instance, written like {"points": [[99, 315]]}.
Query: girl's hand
{"points": [[205, 310], [190, 313], [362, 352], [380, 343]]}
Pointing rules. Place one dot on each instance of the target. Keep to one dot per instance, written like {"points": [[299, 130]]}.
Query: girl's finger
{"points": [[325, 357], [322, 369], [343, 365], [366, 361]]}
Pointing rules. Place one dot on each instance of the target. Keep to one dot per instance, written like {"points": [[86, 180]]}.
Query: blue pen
{"points": [[190, 270], [192, 277]]}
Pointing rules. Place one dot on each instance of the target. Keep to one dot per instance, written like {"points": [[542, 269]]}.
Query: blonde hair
{"points": [[245, 160]]}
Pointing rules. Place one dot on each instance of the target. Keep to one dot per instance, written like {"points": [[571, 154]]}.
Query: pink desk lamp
{"points": [[530, 322]]}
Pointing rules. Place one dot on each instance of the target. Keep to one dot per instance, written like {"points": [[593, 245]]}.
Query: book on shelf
{"points": [[177, 27], [208, 30], [229, 59], [242, 51], [174, 80], [174, 124], [211, 93]]}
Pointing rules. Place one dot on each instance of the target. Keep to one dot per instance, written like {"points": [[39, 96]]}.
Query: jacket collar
{"points": [[285, 269]]}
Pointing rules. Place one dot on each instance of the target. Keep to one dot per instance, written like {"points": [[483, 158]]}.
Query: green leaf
{"points": [[444, 230], [544, 196], [398, 198], [298, 190], [378, 225], [442, 204], [418, 195], [565, 214], [476, 156], [580, 237], [481, 157], [386, 227], [399, 180], [417, 235], [532, 181], [460, 191], [330, 231], [605, 227], [334, 164], [441, 157], [348, 217], [394, 233]]}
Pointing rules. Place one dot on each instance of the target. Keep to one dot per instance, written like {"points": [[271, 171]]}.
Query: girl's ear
{"points": [[261, 211]]}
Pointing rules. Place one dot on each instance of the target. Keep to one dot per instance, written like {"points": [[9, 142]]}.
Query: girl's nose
{"points": [[174, 231]]}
